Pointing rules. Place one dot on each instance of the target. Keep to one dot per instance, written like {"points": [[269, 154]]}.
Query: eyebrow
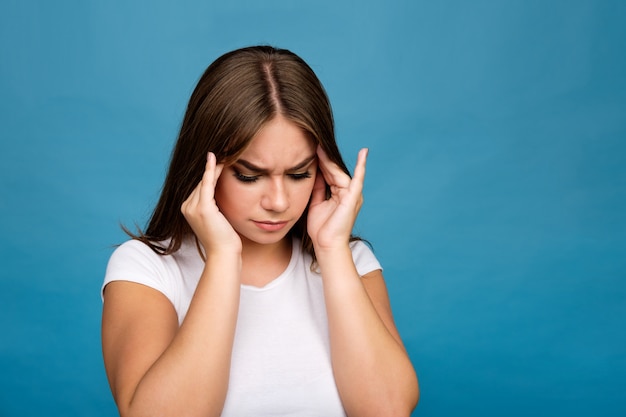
{"points": [[254, 168]]}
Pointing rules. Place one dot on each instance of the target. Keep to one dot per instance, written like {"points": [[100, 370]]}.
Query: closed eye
{"points": [[245, 178], [300, 176]]}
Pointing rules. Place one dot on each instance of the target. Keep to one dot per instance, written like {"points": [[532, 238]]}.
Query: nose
{"points": [[275, 197]]}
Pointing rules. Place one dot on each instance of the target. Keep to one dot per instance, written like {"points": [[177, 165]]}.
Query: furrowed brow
{"points": [[254, 168], [303, 164], [250, 166]]}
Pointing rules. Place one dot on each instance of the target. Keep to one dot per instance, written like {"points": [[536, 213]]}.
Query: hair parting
{"points": [[238, 93]]}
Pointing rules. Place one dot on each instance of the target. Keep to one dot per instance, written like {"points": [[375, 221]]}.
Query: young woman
{"points": [[246, 295]]}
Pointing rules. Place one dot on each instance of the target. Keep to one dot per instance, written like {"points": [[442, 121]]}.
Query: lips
{"points": [[270, 226]]}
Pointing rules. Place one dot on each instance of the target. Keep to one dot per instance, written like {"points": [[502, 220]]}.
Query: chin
{"points": [[265, 238]]}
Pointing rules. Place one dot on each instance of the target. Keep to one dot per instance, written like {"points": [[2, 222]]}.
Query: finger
{"points": [[218, 172], [333, 175], [212, 172], [359, 171], [192, 199], [318, 195], [204, 188], [209, 169]]}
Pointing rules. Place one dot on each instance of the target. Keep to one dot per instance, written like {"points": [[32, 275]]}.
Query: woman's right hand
{"points": [[201, 211]]}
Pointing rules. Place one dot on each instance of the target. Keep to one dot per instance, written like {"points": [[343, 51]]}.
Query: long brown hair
{"points": [[237, 94]]}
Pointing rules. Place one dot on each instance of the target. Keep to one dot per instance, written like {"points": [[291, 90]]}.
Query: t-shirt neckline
{"points": [[283, 276]]}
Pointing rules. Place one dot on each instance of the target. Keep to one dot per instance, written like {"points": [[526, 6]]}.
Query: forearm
{"points": [[372, 370], [192, 373]]}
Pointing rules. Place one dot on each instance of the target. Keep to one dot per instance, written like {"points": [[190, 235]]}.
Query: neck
{"points": [[262, 263]]}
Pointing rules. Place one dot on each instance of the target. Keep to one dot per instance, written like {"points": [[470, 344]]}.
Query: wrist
{"points": [[331, 245], [221, 249], [338, 270], [223, 254], [333, 255], [228, 263]]}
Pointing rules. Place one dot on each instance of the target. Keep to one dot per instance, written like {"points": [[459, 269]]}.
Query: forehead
{"points": [[279, 143]]}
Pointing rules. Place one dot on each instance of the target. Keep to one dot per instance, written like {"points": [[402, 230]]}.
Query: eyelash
{"points": [[245, 178], [253, 178], [301, 176]]}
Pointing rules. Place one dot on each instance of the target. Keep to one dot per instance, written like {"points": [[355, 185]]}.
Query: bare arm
{"points": [[156, 368], [372, 369]]}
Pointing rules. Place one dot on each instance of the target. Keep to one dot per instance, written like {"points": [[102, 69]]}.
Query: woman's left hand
{"points": [[330, 221]]}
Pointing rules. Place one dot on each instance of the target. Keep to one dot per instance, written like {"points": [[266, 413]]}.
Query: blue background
{"points": [[495, 196]]}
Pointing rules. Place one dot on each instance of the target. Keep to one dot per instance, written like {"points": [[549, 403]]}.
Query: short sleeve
{"points": [[134, 261], [364, 258]]}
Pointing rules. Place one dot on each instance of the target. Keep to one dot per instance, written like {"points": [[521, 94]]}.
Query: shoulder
{"points": [[134, 261], [133, 253], [363, 257]]}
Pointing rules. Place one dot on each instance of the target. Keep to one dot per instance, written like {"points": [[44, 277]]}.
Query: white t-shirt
{"points": [[281, 354]]}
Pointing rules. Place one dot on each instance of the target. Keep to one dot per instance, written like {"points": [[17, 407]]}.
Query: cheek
{"points": [[236, 200], [228, 196], [303, 193]]}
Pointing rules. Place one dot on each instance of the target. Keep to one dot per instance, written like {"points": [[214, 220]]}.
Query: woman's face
{"points": [[265, 192]]}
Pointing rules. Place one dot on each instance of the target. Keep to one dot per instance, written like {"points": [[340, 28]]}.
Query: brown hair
{"points": [[237, 94]]}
